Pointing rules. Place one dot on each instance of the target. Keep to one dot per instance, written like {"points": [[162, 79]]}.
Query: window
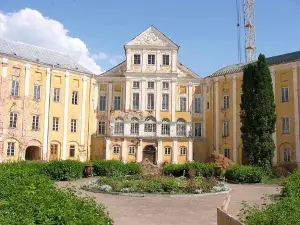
{"points": [[150, 84], [119, 126], [182, 104], [101, 127], [165, 127], [131, 150], [151, 59], [167, 150], [73, 125], [117, 105], [207, 105], [75, 97], [102, 105], [284, 94], [287, 154], [165, 102], [14, 88], [134, 126], [11, 148], [136, 85], [35, 122], [225, 128], [53, 149], [135, 101], [56, 95], [55, 126], [226, 101], [198, 129], [198, 104], [116, 149], [181, 127], [137, 59], [166, 60], [72, 150], [36, 92], [150, 125], [165, 85], [285, 125], [13, 120], [150, 101], [227, 153], [182, 150]]}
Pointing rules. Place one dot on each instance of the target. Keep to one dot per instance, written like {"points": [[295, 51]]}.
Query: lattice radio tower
{"points": [[249, 27]]}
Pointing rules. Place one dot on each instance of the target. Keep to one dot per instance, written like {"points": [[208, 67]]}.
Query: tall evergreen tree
{"points": [[258, 113]]}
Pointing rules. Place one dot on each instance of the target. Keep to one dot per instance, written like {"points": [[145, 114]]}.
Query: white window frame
{"points": [[227, 153], [225, 128], [101, 127], [131, 150], [13, 119], [116, 149], [15, 86], [226, 101], [150, 125], [117, 102], [35, 122], [137, 59], [56, 97], [102, 103], [73, 149], [55, 125], [11, 149], [165, 127], [136, 85], [183, 150], [73, 125], [151, 85], [165, 101], [75, 97], [166, 60], [181, 127], [135, 101], [165, 85], [134, 126], [150, 101], [182, 104], [286, 125], [198, 129], [285, 92], [198, 105], [168, 150], [119, 127], [287, 155], [36, 92], [151, 59]]}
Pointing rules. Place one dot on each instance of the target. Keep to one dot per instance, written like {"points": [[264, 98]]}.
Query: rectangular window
{"points": [[165, 101], [35, 122], [134, 127], [287, 155], [198, 129], [137, 59], [227, 153], [11, 148], [13, 120], [73, 125], [102, 105], [167, 151], [284, 94], [53, 149], [151, 59], [101, 127], [285, 125], [207, 105], [116, 149], [36, 92], [56, 95], [182, 150], [150, 101], [14, 88], [55, 126], [72, 150], [135, 101], [182, 104], [75, 98], [131, 150], [166, 60], [198, 105], [226, 101], [165, 85], [136, 85], [225, 128], [150, 85], [117, 105]]}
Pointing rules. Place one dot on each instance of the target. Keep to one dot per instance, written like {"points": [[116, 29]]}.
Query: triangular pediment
{"points": [[185, 72], [117, 71], [152, 37]]}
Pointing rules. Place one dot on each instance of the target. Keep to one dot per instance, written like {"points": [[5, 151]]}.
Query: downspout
{"points": [[88, 136]]}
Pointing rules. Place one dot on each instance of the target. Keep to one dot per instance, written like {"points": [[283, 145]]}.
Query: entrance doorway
{"points": [[150, 153], [33, 153], [53, 152]]}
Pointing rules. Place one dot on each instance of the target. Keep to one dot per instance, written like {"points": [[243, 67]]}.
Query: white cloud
{"points": [[31, 27]]}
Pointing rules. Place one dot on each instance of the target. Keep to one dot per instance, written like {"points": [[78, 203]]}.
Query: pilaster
{"points": [[83, 109], [140, 151], [124, 150], [175, 151], [4, 67], [158, 99], [27, 78], [296, 111], [190, 150], [158, 60], [174, 61], [128, 59], [190, 106], [95, 85], [109, 100], [234, 117], [46, 114], [159, 151], [143, 95], [204, 108], [66, 112], [173, 105], [127, 95], [144, 60], [107, 148]]}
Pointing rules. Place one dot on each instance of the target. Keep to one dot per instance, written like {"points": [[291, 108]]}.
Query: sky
{"points": [[94, 32]]}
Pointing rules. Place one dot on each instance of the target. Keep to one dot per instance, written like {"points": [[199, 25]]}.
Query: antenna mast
{"points": [[249, 23]]}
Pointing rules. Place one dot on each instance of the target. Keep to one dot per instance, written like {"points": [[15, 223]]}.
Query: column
{"points": [[204, 107], [158, 60], [174, 61], [143, 95], [141, 128], [158, 99], [127, 95], [175, 151], [190, 150], [96, 93], [66, 112], [46, 114], [234, 117], [128, 59], [173, 105], [273, 74], [109, 100], [159, 151], [124, 150], [83, 107], [217, 120], [144, 60], [4, 67], [190, 106], [107, 149], [140, 151], [296, 111], [27, 78]]}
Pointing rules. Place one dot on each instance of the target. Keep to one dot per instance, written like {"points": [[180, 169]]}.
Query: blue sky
{"points": [[205, 30]]}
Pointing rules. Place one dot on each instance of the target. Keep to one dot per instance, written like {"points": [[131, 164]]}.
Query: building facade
{"points": [[149, 106]]}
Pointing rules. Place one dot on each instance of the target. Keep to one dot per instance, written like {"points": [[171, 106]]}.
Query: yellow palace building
{"points": [[149, 106]]}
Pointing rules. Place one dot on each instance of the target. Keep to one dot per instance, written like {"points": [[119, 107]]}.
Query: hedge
{"points": [[244, 174], [178, 170]]}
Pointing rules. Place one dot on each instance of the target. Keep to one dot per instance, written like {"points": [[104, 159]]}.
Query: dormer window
{"points": [[166, 60], [137, 59], [151, 59]]}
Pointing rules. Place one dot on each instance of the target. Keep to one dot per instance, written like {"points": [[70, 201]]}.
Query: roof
{"points": [[274, 60], [116, 71], [40, 55]]}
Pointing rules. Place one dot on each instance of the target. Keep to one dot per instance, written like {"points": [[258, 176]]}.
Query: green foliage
{"points": [[178, 170], [258, 115], [115, 168], [244, 174], [64, 170], [28, 197]]}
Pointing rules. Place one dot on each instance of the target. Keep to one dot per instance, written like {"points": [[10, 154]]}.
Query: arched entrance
{"points": [[149, 153], [33, 153]]}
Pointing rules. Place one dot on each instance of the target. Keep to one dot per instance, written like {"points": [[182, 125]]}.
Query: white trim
{"points": [[4, 67], [204, 108], [175, 151], [83, 107], [275, 158], [190, 101], [27, 78], [109, 99], [46, 115], [173, 105], [234, 118], [107, 149], [217, 134], [128, 94], [190, 150], [66, 112], [159, 151], [158, 99], [296, 111], [140, 151], [124, 150], [96, 86], [143, 95]]}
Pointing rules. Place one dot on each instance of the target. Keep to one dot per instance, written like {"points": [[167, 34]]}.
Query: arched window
{"points": [[165, 127], [119, 126], [134, 126], [181, 127], [182, 150], [167, 150], [150, 124], [287, 154], [116, 149]]}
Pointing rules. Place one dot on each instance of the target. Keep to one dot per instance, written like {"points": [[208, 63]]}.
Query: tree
{"points": [[258, 113]]}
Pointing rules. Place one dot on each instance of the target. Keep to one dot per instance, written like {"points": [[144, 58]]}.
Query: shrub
{"points": [[64, 170], [203, 169], [244, 174], [176, 170]]}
